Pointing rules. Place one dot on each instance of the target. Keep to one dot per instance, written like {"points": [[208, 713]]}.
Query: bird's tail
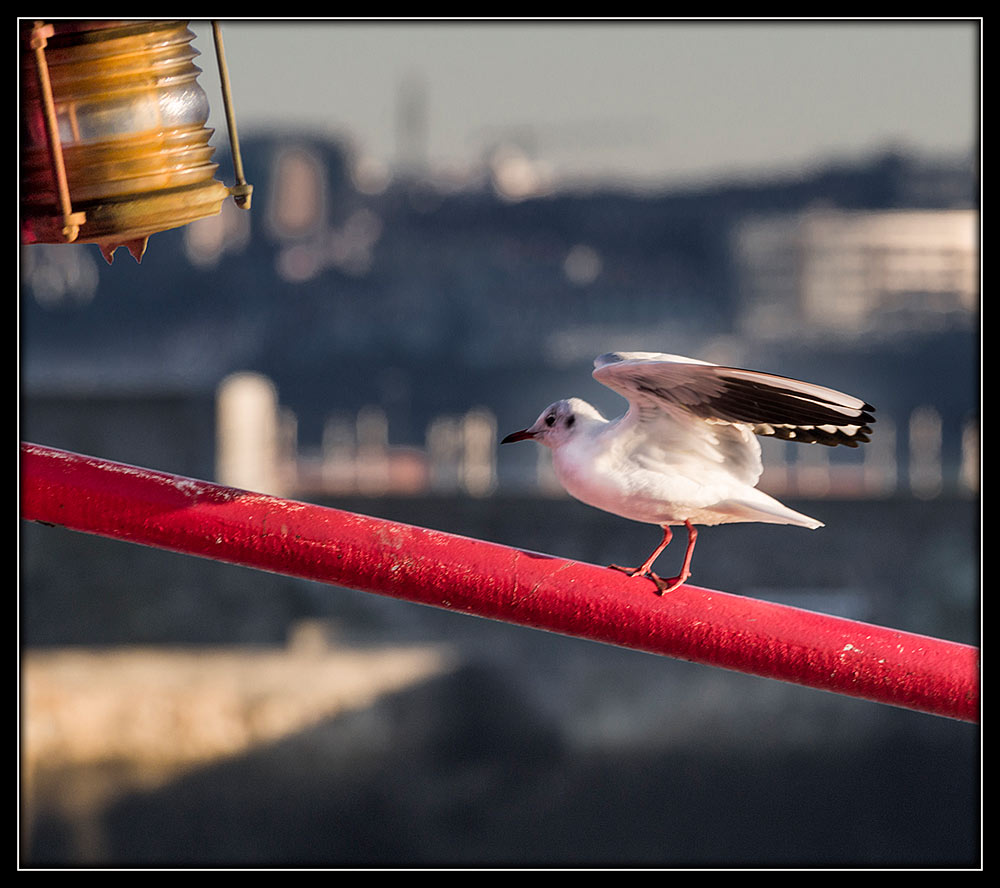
{"points": [[765, 509]]}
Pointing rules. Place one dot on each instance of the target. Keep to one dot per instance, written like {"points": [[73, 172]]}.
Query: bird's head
{"points": [[558, 423]]}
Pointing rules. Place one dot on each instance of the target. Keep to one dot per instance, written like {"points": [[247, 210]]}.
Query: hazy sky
{"points": [[647, 101]]}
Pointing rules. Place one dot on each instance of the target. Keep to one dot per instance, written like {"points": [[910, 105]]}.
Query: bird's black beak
{"points": [[522, 435]]}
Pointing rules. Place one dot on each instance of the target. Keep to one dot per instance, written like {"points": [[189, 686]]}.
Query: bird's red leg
{"points": [[646, 569], [647, 565], [670, 585]]}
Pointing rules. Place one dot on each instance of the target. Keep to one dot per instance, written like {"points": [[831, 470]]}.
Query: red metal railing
{"points": [[444, 570]]}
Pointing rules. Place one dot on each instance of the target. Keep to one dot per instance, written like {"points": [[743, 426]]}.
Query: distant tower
{"points": [[411, 126]]}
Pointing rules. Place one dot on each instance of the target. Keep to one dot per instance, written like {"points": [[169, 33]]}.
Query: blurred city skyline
{"points": [[644, 103]]}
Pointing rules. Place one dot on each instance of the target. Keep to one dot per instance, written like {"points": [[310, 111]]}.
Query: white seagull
{"points": [[686, 450]]}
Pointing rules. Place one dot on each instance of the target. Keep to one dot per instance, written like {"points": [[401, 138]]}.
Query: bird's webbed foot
{"points": [[663, 586]]}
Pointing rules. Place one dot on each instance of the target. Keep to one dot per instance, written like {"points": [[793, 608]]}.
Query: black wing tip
{"points": [[800, 435]]}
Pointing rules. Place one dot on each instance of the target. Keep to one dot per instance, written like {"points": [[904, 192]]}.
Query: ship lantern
{"points": [[114, 146]]}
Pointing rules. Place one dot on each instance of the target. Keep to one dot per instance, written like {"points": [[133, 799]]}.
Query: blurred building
{"points": [[835, 272]]}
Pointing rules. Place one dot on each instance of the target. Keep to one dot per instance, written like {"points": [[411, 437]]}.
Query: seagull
{"points": [[686, 452]]}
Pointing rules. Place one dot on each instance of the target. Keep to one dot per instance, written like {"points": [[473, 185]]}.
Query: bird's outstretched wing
{"points": [[768, 404]]}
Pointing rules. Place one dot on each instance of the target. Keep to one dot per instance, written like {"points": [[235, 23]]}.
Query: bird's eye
{"points": [[570, 420], [550, 420]]}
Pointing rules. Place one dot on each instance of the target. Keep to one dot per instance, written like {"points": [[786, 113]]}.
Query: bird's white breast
{"points": [[635, 483]]}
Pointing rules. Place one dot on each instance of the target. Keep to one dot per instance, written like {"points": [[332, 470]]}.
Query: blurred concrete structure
{"points": [[257, 449], [249, 441], [100, 723]]}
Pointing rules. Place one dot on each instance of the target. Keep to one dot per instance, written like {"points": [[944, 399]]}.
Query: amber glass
{"points": [[131, 120]]}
